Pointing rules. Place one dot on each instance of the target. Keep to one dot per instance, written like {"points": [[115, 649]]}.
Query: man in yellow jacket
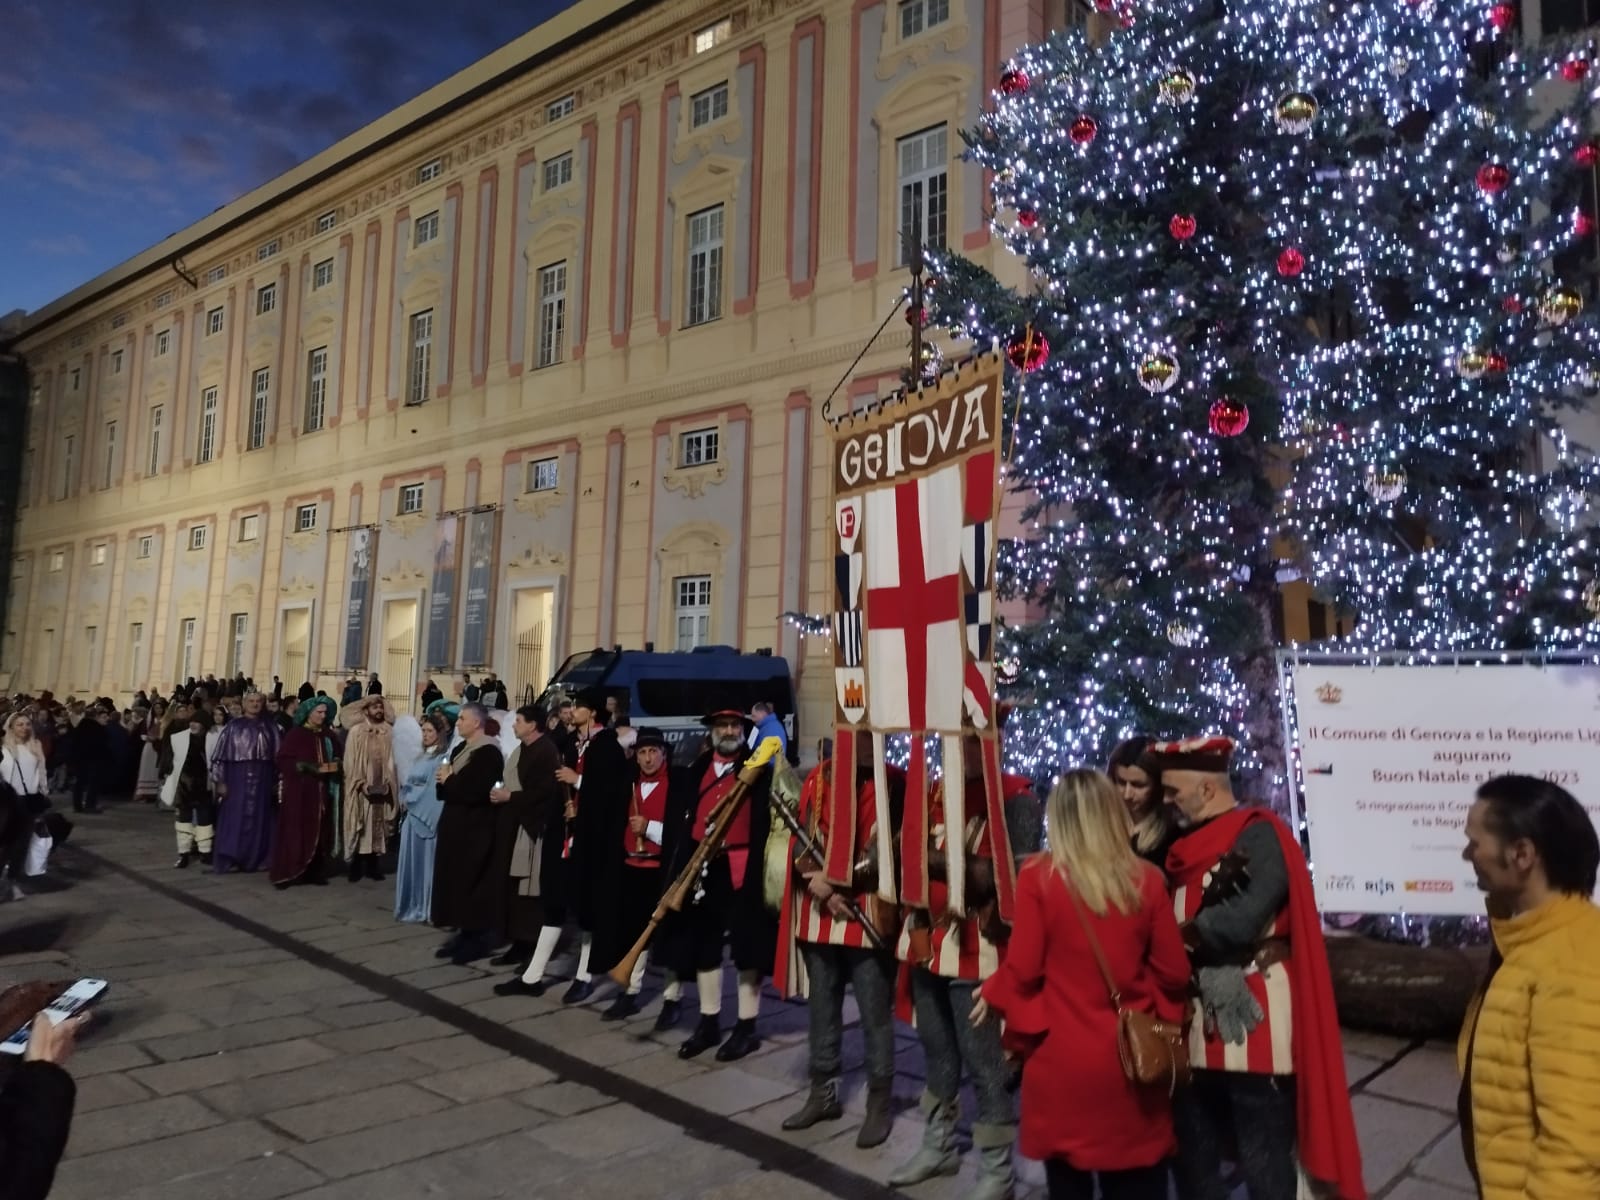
{"points": [[1530, 1048]]}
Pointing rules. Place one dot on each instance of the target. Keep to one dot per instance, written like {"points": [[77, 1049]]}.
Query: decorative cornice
{"points": [[243, 550], [302, 539], [919, 51], [693, 481], [408, 524], [539, 504], [536, 557], [297, 588], [404, 572]]}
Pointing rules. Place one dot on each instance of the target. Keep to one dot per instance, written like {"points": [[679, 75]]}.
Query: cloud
{"points": [[67, 245]]}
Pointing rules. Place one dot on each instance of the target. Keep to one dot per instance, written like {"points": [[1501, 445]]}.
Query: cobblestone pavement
{"points": [[258, 1044]]}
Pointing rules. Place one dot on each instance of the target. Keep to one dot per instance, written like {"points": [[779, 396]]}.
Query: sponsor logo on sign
{"points": [[1329, 694], [1339, 883], [1430, 885], [1381, 887]]}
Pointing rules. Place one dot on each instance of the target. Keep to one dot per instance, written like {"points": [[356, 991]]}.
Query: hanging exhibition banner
{"points": [[363, 549], [480, 585], [1392, 756], [442, 599], [915, 488]]}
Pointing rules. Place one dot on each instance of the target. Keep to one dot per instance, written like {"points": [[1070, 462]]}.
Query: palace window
{"points": [[708, 106], [924, 166], [552, 312], [697, 447], [410, 498], [704, 301], [544, 475], [421, 357], [316, 388], [691, 610]]}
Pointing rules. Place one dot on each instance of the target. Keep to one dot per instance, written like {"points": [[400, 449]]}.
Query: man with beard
{"points": [[1264, 1034], [188, 788], [532, 793], [244, 774], [308, 764], [472, 863], [728, 905], [274, 711], [371, 785], [578, 877]]}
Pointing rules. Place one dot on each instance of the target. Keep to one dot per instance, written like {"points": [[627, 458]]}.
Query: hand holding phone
{"points": [[52, 1043], [56, 1026]]}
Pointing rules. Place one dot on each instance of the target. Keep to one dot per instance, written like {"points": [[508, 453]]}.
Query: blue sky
{"points": [[122, 121]]}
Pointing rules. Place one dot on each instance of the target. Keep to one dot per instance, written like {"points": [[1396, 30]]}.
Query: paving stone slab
{"points": [[443, 1054], [307, 1085], [134, 1124], [497, 1077], [384, 1035], [1392, 1134], [106, 1091], [114, 1172], [353, 1153], [232, 1037], [244, 1008], [564, 1098], [1425, 1076], [1446, 1163], [312, 1122], [1422, 1189], [92, 1059], [193, 1074], [730, 1090], [510, 1165], [265, 1178], [361, 1014], [606, 1133], [140, 1020]]}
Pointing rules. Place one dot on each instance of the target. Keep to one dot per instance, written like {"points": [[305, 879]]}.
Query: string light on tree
{"points": [[1390, 145]]}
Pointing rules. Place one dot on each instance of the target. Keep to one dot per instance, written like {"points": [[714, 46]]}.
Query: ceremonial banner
{"points": [[363, 548], [442, 599], [1393, 755], [915, 498], [480, 585]]}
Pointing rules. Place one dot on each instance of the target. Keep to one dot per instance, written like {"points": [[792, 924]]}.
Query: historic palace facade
{"points": [[534, 363]]}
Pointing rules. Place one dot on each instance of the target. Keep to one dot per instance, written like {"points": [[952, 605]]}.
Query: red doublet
{"points": [[650, 802], [713, 789], [1301, 1029]]}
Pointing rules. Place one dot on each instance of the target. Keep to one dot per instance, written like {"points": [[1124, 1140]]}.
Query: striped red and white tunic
{"points": [[1269, 1048], [811, 921], [960, 951]]}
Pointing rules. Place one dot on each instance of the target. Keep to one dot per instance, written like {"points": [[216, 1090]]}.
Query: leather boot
{"points": [[937, 1154], [706, 1035], [374, 868], [822, 1104], [879, 1120], [741, 1041], [996, 1178], [355, 871], [669, 1016]]}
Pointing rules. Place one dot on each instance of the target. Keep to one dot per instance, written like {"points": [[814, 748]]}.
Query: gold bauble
{"points": [[1471, 364], [1296, 111], [1176, 87], [1560, 305], [1158, 372], [1384, 484]]}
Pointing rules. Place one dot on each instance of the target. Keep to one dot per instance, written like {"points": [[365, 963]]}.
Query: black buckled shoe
{"points": [[669, 1016], [623, 1007], [580, 991], [515, 986], [183, 860], [706, 1035], [741, 1041]]}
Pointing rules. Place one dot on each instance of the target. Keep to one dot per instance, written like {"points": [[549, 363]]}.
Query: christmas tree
{"points": [[1301, 306]]}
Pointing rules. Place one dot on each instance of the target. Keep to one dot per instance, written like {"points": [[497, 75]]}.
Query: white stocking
{"points": [[709, 984], [582, 974], [749, 995], [672, 989], [548, 937]]}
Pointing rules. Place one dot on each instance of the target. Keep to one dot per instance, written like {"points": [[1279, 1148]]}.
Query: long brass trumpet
{"points": [[717, 826]]}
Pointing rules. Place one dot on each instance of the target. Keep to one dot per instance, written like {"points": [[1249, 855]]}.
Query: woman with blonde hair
{"points": [[1081, 1115], [1137, 778], [26, 789]]}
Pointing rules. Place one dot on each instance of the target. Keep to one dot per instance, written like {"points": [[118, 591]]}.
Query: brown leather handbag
{"points": [[1154, 1053]]}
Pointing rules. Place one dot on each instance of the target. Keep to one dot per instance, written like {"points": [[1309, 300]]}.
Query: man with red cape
{"points": [[1263, 1035], [308, 765]]}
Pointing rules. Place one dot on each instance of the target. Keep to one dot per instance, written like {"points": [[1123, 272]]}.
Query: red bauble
{"points": [[1083, 129], [1125, 16], [1511, 305], [916, 317], [1291, 262], [1503, 16], [1028, 350], [1182, 227], [1105, 5], [1586, 154], [1583, 224], [1229, 418], [1013, 82], [1574, 69], [1493, 177], [1496, 363], [1027, 218]]}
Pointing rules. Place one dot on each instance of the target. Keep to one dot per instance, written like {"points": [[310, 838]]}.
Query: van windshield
{"points": [[680, 696]]}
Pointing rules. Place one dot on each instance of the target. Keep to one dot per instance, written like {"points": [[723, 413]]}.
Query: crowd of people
{"points": [[1161, 922]]}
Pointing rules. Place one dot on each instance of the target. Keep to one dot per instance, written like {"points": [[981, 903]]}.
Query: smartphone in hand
{"points": [[72, 1001]]}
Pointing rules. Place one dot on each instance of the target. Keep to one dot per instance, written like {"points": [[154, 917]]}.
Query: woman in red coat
{"points": [[1080, 1114]]}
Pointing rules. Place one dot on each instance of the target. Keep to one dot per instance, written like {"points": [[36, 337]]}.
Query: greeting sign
{"points": [[915, 487], [1392, 757]]}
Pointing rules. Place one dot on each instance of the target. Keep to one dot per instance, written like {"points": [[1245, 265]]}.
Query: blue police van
{"points": [[673, 690]]}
